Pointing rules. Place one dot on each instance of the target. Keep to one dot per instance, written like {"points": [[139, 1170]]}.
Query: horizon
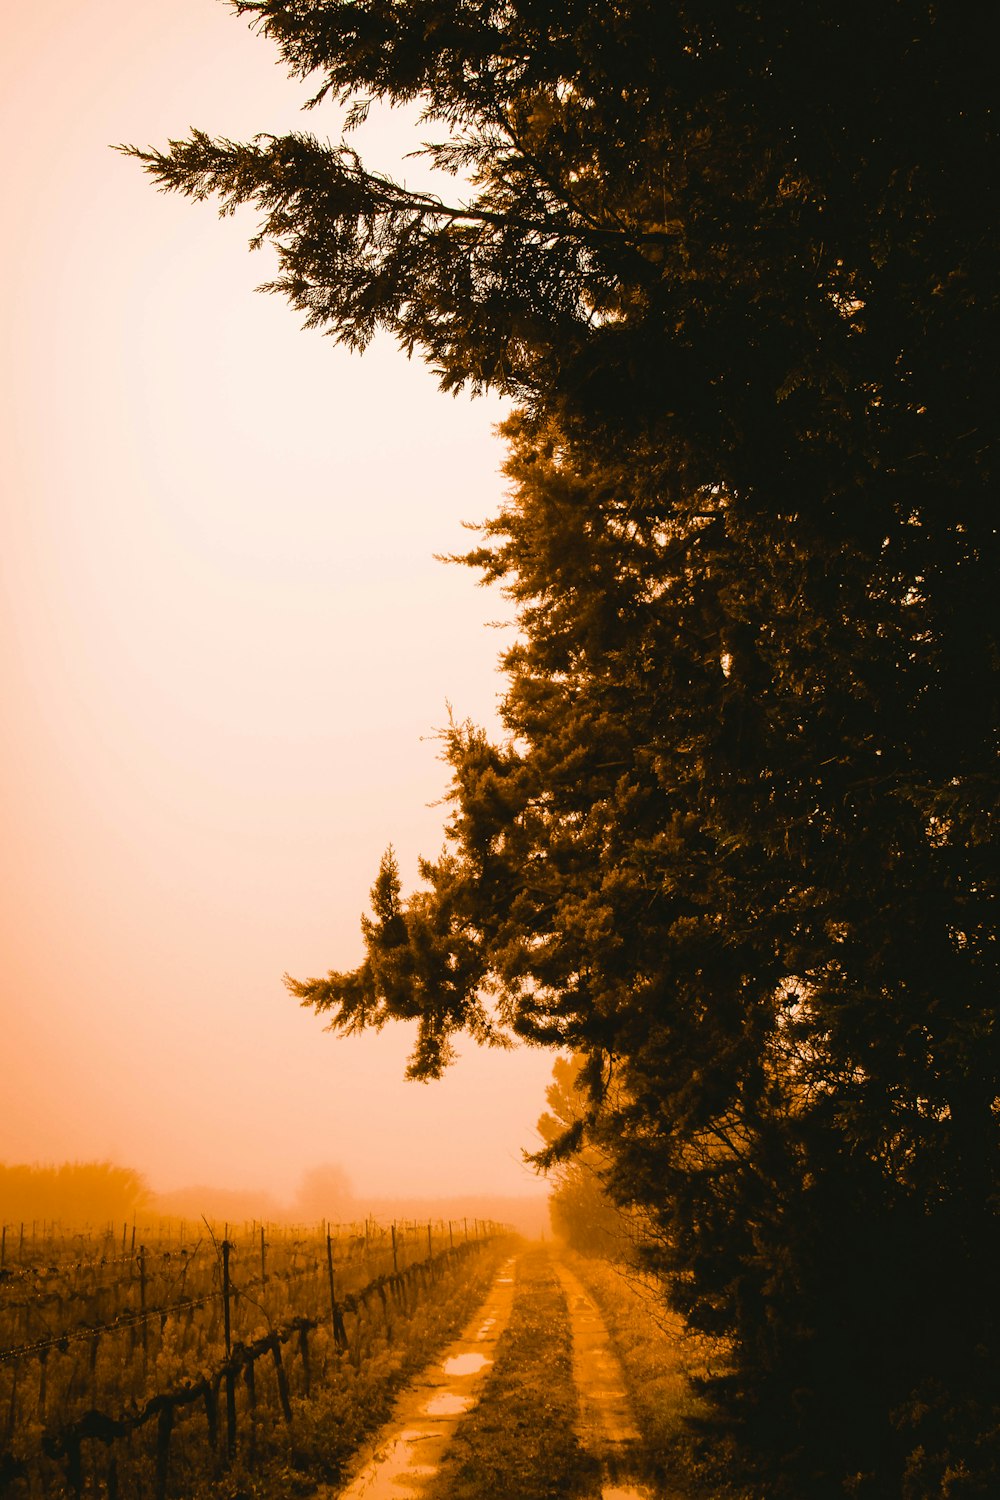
{"points": [[73, 1197]]}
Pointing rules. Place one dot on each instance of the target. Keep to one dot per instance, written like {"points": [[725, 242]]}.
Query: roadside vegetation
{"points": [[684, 1452], [254, 1372]]}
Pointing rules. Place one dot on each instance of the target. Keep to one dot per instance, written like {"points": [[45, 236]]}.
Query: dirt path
{"points": [[606, 1427], [403, 1461], [404, 1457]]}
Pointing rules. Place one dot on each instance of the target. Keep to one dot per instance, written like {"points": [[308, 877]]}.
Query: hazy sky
{"points": [[225, 646]]}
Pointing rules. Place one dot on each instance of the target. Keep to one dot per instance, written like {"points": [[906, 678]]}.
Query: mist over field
{"points": [[75, 1195], [226, 646]]}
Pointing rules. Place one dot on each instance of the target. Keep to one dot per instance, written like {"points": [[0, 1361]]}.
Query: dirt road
{"points": [[404, 1460], [606, 1426]]}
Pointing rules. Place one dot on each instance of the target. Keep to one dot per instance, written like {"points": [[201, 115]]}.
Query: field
{"points": [[181, 1358]]}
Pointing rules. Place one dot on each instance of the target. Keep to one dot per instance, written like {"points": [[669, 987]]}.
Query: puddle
{"points": [[465, 1364], [378, 1483], [447, 1405]]}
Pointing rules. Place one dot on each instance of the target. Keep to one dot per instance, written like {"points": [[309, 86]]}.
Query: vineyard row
{"points": [[66, 1444], [92, 1329]]}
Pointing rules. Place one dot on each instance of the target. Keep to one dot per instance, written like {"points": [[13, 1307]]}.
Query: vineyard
{"points": [[149, 1361]]}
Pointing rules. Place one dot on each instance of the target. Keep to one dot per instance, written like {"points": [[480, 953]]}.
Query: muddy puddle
{"points": [[465, 1364]]}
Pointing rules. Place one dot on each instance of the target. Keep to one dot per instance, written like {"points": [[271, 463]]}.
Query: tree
{"points": [[324, 1192], [77, 1193], [582, 1214], [738, 847]]}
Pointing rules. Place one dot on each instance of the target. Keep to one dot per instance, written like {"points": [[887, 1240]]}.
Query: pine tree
{"points": [[582, 1213], [737, 848]]}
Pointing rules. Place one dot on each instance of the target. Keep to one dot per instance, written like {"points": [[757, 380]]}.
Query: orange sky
{"points": [[224, 642]]}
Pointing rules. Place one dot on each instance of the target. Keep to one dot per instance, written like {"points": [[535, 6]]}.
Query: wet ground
{"points": [[606, 1426], [404, 1459], [406, 1454]]}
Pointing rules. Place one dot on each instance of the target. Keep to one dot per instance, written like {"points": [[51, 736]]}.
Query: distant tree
{"points": [[324, 1193], [73, 1193], [736, 262], [580, 1209]]}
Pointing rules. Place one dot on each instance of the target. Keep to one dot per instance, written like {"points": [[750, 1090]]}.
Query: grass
{"points": [[684, 1458], [518, 1442]]}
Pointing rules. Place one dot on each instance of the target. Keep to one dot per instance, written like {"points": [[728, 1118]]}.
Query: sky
{"points": [[225, 646]]}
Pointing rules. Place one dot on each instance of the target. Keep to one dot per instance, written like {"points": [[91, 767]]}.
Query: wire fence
{"points": [[179, 1265], [343, 1318]]}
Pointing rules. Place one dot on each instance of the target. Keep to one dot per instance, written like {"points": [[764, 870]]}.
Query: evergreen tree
{"points": [[736, 263], [581, 1211]]}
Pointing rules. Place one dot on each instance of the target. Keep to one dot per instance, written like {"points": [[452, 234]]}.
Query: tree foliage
{"points": [[735, 262], [581, 1211], [75, 1193]]}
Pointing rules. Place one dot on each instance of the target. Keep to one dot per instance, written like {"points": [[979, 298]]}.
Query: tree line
{"points": [[75, 1193], [734, 263]]}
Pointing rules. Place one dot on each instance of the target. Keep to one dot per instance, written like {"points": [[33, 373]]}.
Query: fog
{"points": [[226, 648]]}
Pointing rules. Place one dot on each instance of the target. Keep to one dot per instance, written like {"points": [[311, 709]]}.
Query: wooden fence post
{"points": [[142, 1307], [74, 1464], [395, 1263], [225, 1298], [385, 1312], [230, 1376], [336, 1318], [279, 1370], [333, 1298], [164, 1427]]}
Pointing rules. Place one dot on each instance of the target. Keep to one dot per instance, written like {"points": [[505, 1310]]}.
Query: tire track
{"points": [[405, 1455], [606, 1424]]}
